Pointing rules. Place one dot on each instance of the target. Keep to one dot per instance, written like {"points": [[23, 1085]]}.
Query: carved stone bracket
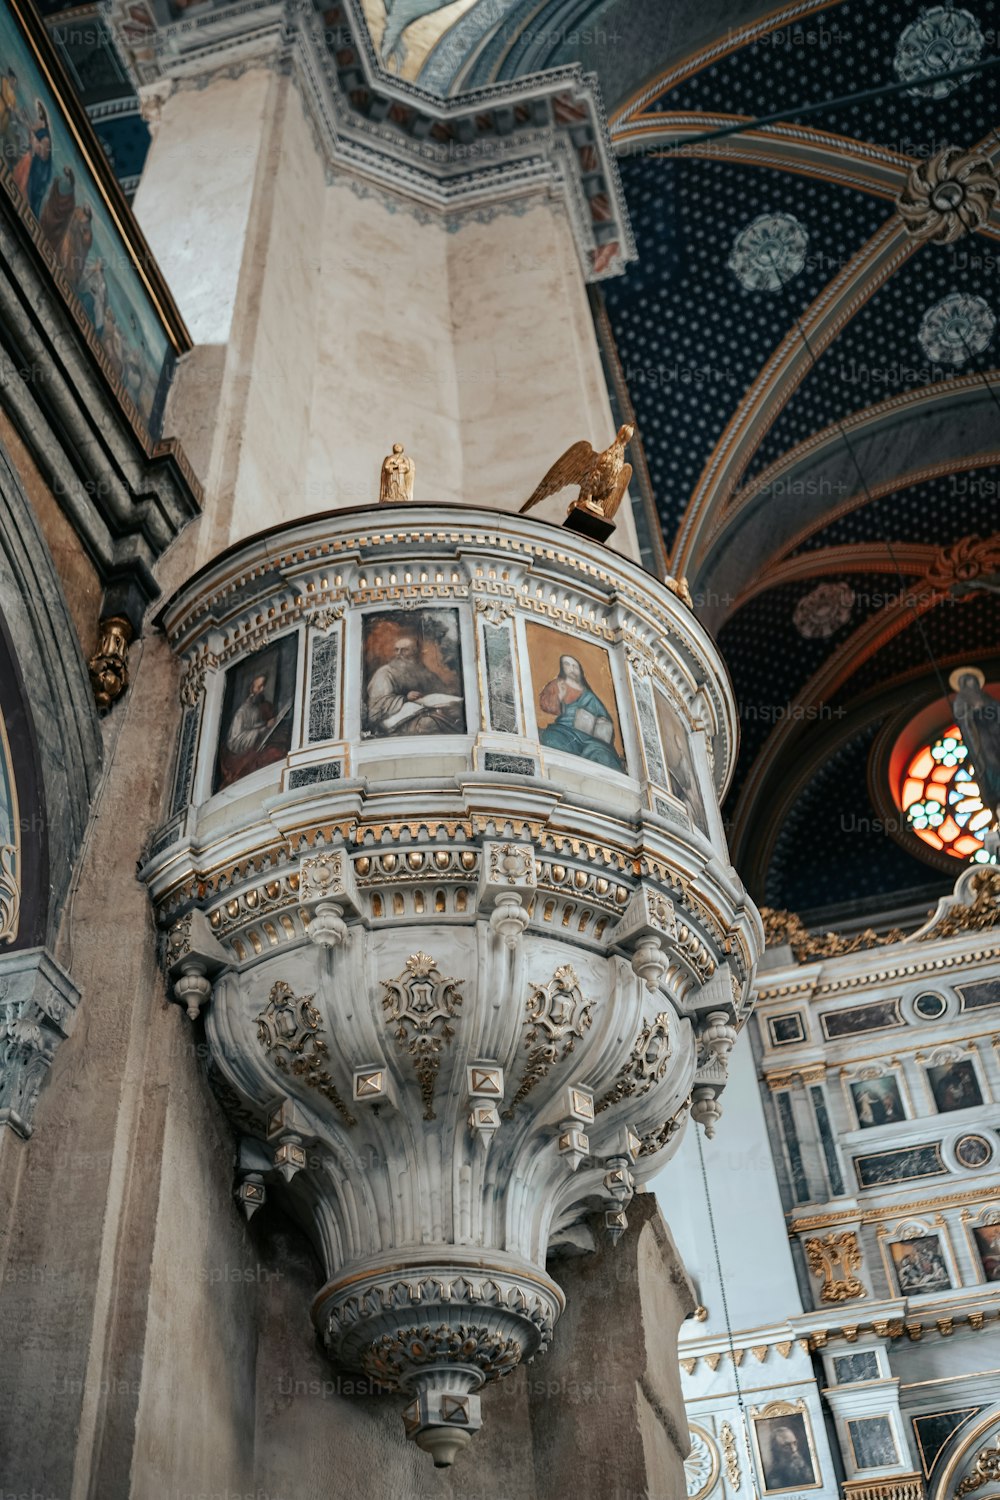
{"points": [[507, 883], [193, 957], [423, 1003], [328, 891], [647, 923], [37, 1005]]}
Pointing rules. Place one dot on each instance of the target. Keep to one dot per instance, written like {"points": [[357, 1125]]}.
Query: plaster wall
{"points": [[749, 1221], [385, 364], [331, 319]]}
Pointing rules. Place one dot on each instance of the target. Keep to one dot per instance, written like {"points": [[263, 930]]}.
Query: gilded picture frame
{"points": [[783, 1447]]}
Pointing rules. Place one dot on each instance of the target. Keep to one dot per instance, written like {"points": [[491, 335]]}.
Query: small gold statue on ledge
{"points": [[396, 485], [602, 477]]}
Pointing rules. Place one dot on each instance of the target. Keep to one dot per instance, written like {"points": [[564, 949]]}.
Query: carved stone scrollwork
{"points": [[288, 1028], [647, 1063], [10, 893], [37, 1002], [423, 1003], [836, 1257], [558, 1017]]}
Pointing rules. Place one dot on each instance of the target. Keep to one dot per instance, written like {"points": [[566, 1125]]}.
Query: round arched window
{"points": [[940, 800]]}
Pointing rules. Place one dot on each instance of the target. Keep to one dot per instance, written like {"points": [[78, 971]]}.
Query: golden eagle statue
{"points": [[602, 477]]}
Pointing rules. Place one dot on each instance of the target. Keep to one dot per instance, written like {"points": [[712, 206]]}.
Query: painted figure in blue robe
{"points": [[33, 172], [582, 724]]}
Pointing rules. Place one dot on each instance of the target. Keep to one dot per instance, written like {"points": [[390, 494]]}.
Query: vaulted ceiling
{"points": [[814, 377]]}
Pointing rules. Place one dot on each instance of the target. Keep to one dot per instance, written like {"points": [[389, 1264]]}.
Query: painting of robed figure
{"points": [[575, 696], [412, 673], [256, 726]]}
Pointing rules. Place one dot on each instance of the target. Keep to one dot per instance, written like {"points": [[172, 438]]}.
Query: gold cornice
{"points": [[834, 988], [875, 1215]]}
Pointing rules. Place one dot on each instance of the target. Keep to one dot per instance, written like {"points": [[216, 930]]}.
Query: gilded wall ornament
{"points": [[836, 1258], [108, 666], [982, 912], [985, 1470], [949, 195], [769, 252], [787, 927], [288, 1029], [729, 1454], [558, 1017], [955, 328], [422, 999]]}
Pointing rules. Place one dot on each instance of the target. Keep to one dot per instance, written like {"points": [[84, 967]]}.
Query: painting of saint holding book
{"points": [[412, 674], [577, 697]]}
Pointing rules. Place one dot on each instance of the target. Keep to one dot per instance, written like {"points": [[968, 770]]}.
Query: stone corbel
{"points": [[37, 1006], [328, 893], [194, 957], [648, 919], [507, 884]]}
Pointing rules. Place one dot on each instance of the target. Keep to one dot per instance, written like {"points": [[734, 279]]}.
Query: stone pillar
{"points": [[606, 1403]]}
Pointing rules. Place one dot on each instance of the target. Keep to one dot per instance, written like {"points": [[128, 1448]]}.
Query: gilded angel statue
{"points": [[602, 477]]}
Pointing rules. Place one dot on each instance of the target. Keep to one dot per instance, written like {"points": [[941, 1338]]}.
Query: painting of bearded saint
{"points": [[412, 674], [256, 729], [577, 697], [785, 1453]]}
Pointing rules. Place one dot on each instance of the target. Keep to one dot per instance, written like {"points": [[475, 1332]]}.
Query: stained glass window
{"points": [[940, 798]]}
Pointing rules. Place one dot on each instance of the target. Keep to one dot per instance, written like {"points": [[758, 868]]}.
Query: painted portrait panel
{"points": [[955, 1086], [874, 1442], [680, 762], [411, 674], [920, 1266], [877, 1101], [787, 1461], [987, 1238], [574, 697], [59, 199], [256, 725]]}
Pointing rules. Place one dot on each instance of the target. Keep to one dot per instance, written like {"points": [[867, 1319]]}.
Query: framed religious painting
{"points": [[783, 1444], [411, 677], [255, 728], [954, 1084], [574, 696], [986, 1238], [681, 771], [920, 1265], [876, 1098]]}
